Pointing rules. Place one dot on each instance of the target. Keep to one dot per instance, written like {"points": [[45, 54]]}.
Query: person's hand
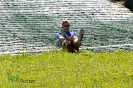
{"points": [[71, 38]]}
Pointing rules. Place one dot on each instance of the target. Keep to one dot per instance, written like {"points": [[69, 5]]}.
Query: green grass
{"points": [[57, 69]]}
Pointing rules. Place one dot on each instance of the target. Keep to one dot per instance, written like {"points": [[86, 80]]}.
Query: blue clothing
{"points": [[68, 34]]}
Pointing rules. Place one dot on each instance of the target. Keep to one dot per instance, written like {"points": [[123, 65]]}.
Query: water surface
{"points": [[31, 25]]}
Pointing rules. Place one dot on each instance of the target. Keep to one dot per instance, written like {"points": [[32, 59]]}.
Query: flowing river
{"points": [[31, 25]]}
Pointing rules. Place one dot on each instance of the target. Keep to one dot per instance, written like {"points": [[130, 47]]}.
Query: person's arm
{"points": [[71, 38], [75, 35], [60, 37]]}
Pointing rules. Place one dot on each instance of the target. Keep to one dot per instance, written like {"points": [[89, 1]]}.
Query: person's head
{"points": [[66, 25]]}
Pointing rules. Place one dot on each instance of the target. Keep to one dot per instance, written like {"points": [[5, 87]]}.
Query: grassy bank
{"points": [[56, 69]]}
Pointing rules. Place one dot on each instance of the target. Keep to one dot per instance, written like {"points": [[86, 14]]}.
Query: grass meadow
{"points": [[57, 69]]}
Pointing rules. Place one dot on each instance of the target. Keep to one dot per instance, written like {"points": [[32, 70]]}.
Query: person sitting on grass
{"points": [[68, 39]]}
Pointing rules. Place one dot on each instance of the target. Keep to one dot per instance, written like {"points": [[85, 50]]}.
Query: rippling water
{"points": [[31, 25]]}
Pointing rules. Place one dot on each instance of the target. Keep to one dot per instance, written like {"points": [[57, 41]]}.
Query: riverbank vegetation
{"points": [[122, 2], [57, 69]]}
